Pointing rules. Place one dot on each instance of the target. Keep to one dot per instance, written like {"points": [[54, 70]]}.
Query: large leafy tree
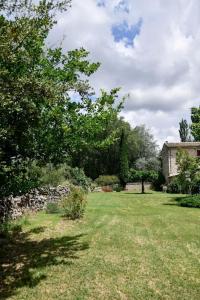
{"points": [[195, 127], [145, 170], [139, 143], [189, 171], [39, 118]]}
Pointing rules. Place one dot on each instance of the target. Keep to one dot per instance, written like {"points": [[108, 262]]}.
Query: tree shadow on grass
{"points": [[137, 193], [174, 201], [23, 261], [37, 230], [187, 201], [171, 204]]}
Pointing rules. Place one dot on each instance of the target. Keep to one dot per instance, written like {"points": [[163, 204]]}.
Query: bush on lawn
{"points": [[74, 204], [51, 175], [158, 182], [78, 177], [117, 188], [174, 186], [105, 180], [93, 186], [195, 186], [189, 201]]}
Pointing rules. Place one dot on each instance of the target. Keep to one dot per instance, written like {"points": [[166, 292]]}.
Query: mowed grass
{"points": [[128, 246]]}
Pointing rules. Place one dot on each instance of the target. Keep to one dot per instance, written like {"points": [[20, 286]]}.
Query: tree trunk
{"points": [[123, 184], [143, 186]]}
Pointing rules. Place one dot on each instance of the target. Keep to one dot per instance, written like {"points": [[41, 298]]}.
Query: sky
{"points": [[149, 48]]}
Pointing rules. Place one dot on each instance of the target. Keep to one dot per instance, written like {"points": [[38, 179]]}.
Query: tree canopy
{"points": [[189, 171], [184, 131], [195, 127], [40, 119], [145, 170], [139, 143]]}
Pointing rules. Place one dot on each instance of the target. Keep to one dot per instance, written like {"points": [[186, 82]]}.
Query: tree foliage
{"points": [[139, 142], [145, 170], [39, 118], [195, 127], [189, 170], [123, 161], [184, 131]]}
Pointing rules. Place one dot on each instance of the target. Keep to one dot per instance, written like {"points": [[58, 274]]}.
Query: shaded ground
{"points": [[128, 246]]}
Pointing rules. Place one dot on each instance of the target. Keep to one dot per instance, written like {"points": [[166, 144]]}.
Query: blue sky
{"points": [[124, 32], [101, 3]]}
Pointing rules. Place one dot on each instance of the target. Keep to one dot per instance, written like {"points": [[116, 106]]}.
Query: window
{"points": [[198, 153]]}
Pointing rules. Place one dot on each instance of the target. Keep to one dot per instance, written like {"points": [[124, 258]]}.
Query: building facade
{"points": [[168, 155]]}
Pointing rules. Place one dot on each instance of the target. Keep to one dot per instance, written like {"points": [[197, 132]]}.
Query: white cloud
{"points": [[161, 73]]}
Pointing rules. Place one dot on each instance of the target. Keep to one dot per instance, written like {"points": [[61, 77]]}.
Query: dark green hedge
{"points": [[189, 201]]}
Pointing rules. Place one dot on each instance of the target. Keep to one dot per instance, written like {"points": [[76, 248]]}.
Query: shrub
{"points": [[195, 186], [74, 204], [174, 186], [190, 201], [52, 208], [158, 183], [78, 177], [93, 186], [58, 175], [105, 180], [117, 188], [51, 175]]}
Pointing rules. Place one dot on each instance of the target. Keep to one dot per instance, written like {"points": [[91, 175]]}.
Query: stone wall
{"points": [[136, 187], [37, 199]]}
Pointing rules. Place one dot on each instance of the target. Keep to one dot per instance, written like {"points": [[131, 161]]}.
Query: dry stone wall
{"points": [[14, 207]]}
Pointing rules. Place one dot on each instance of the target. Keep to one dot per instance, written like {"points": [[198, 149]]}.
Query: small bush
{"points": [[195, 187], [74, 204], [52, 208], [51, 175], [93, 186], [190, 201], [174, 186], [117, 188], [158, 182], [105, 180], [79, 178]]}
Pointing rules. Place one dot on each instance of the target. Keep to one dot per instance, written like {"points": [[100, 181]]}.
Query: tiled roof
{"points": [[181, 145]]}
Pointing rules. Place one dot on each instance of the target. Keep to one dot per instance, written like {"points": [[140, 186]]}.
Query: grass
{"points": [[128, 246]]}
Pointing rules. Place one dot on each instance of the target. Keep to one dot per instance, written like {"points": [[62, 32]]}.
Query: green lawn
{"points": [[128, 246]]}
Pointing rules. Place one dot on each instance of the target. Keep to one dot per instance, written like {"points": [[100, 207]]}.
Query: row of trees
{"points": [[129, 145]]}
